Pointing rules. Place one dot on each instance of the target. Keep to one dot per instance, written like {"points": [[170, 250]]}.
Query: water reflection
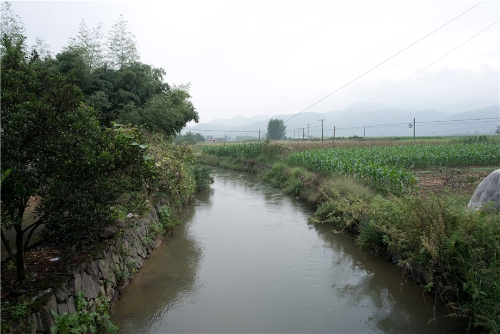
{"points": [[247, 261], [397, 302], [163, 281]]}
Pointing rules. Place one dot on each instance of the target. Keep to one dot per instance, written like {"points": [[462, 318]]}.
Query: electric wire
{"points": [[387, 91], [316, 127], [406, 48]]}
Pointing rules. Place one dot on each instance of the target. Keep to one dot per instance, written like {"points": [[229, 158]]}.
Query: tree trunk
{"points": [[20, 265]]}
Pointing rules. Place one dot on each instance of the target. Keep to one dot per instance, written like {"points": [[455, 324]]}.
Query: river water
{"points": [[245, 260]]}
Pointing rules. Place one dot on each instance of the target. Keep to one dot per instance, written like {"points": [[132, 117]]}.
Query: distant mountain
{"points": [[237, 121], [373, 122], [363, 106], [457, 107]]}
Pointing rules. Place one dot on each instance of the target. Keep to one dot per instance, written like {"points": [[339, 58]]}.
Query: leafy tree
{"points": [[497, 131], [276, 129], [199, 137], [11, 25], [55, 148], [88, 44], [167, 112], [189, 138], [122, 48], [40, 50], [111, 91], [71, 63]]}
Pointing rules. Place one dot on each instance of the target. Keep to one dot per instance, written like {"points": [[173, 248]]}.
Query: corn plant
{"points": [[389, 168]]}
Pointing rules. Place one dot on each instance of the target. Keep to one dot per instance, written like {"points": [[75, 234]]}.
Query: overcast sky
{"points": [[279, 57]]}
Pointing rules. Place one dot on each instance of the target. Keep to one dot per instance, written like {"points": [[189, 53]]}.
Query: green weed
{"points": [[85, 320]]}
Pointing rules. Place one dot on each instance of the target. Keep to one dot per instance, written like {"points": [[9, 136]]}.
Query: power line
{"points": [[316, 127], [461, 120], [387, 91], [406, 48], [224, 130]]}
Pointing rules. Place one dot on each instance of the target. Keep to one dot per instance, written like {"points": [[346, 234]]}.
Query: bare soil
{"points": [[458, 181]]}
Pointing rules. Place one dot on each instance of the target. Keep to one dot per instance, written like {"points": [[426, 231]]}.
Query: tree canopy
{"points": [[122, 49], [276, 129], [60, 142], [88, 44], [51, 141]]}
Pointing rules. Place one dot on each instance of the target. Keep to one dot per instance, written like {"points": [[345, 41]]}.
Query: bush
{"points": [[453, 250], [78, 211], [202, 177], [342, 211]]}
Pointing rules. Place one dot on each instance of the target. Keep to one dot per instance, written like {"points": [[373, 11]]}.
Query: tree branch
{"points": [[33, 228], [7, 247]]}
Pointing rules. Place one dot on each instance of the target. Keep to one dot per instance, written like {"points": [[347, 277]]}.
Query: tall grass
{"points": [[453, 251]]}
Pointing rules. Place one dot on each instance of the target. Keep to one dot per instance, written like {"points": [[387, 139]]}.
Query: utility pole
{"points": [[303, 134], [364, 132], [259, 135], [307, 132], [412, 126], [414, 130], [321, 120]]}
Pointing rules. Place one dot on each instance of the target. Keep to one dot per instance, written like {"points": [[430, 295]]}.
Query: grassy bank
{"points": [[452, 251]]}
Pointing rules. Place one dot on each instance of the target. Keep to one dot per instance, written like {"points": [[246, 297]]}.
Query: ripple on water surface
{"points": [[246, 260]]}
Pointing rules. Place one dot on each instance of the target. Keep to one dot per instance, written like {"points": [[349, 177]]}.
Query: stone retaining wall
{"points": [[107, 273]]}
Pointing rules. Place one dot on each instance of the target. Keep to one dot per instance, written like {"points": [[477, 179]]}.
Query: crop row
{"points": [[388, 168], [247, 151]]}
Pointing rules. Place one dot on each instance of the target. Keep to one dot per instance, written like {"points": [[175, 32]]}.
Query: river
{"points": [[245, 260]]}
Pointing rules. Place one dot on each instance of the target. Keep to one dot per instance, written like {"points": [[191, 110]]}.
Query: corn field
{"points": [[247, 151], [389, 168], [386, 168]]}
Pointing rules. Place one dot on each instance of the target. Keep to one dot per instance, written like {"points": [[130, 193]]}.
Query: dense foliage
{"points": [[454, 251], [55, 148], [248, 151], [61, 144], [276, 129], [189, 138]]}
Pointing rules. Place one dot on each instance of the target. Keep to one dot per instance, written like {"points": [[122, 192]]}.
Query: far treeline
{"points": [[86, 136]]}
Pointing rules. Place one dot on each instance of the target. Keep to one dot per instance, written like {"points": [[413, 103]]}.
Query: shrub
{"points": [[202, 177], [453, 250], [346, 212]]}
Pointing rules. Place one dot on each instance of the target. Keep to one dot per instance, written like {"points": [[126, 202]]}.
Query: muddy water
{"points": [[245, 260]]}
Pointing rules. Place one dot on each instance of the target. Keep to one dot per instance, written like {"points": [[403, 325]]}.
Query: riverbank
{"points": [[245, 260], [71, 288], [67, 291], [431, 236]]}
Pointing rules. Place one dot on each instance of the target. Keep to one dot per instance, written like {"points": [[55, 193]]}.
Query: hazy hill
{"points": [[372, 121]]}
